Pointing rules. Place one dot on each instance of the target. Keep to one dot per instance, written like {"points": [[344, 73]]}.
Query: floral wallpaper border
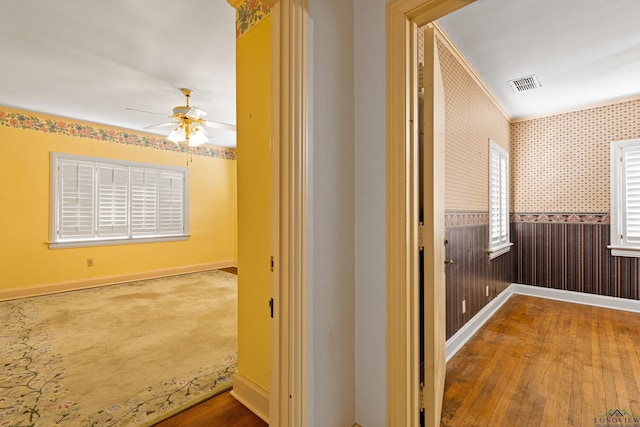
{"points": [[28, 121], [569, 218], [249, 14], [462, 219]]}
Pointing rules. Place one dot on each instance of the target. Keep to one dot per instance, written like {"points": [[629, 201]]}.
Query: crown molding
{"points": [[444, 38], [586, 107]]}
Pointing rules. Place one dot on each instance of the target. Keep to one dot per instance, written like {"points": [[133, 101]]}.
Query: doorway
{"points": [[403, 229]]}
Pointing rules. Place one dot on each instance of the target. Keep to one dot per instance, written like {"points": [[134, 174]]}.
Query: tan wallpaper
{"points": [[561, 163], [471, 119]]}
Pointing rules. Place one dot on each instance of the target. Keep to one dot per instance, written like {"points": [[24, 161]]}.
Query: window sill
{"points": [[624, 251], [500, 250], [110, 242]]}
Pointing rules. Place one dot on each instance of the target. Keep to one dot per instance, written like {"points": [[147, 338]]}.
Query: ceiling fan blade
{"points": [[196, 113], [144, 111], [220, 125], [162, 125]]}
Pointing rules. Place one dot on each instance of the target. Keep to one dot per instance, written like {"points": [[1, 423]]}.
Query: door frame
{"points": [[288, 342], [403, 317], [288, 382]]}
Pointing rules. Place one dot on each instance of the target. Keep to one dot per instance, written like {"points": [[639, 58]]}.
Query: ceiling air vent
{"points": [[525, 83]]}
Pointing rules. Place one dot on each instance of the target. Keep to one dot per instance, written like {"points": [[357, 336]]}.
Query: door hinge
{"points": [[273, 264], [271, 307], [421, 394], [420, 236]]}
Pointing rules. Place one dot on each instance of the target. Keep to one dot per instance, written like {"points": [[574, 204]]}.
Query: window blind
{"points": [[498, 196], [98, 199], [76, 200], [113, 200], [631, 193], [170, 200], [144, 202]]}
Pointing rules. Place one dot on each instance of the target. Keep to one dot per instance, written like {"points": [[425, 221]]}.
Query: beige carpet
{"points": [[123, 355]]}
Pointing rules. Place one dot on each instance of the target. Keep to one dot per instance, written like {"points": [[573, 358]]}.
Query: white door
{"points": [[433, 274]]}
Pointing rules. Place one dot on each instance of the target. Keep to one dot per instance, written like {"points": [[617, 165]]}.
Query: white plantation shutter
{"points": [[76, 200], [504, 200], [171, 202], [498, 197], [104, 201], [631, 195], [144, 202], [494, 197], [113, 200]]}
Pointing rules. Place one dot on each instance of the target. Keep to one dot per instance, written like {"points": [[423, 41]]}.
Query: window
{"points": [[498, 201], [100, 201], [625, 198]]}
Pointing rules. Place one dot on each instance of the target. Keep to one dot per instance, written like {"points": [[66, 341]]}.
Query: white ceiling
{"points": [[584, 52], [90, 60]]}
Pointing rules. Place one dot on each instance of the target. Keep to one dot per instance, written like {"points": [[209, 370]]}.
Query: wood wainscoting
{"points": [[467, 234], [569, 252]]}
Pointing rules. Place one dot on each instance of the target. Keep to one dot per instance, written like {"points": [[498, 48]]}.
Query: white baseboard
{"points": [[577, 297], [464, 334], [74, 285], [251, 395]]}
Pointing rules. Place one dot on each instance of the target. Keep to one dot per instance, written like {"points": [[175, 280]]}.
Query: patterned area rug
{"points": [[122, 355]]}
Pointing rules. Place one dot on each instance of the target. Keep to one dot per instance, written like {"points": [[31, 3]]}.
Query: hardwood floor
{"points": [[219, 411], [232, 270], [541, 362]]}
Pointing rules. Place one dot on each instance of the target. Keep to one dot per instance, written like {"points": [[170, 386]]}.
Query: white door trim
{"points": [[289, 342]]}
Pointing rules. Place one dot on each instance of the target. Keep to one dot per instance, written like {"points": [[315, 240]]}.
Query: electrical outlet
{"points": [[89, 262], [464, 306], [487, 292]]}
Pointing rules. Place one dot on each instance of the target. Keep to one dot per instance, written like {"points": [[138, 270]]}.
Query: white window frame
{"points": [[623, 242], [498, 188], [115, 199]]}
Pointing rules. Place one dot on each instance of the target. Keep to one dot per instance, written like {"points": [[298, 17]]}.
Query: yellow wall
{"points": [[26, 260], [253, 121]]}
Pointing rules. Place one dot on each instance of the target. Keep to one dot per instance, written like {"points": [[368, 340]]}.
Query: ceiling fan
{"points": [[189, 124]]}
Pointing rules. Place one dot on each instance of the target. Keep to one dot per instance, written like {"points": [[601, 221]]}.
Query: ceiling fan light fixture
{"points": [[189, 124], [197, 138], [177, 135]]}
